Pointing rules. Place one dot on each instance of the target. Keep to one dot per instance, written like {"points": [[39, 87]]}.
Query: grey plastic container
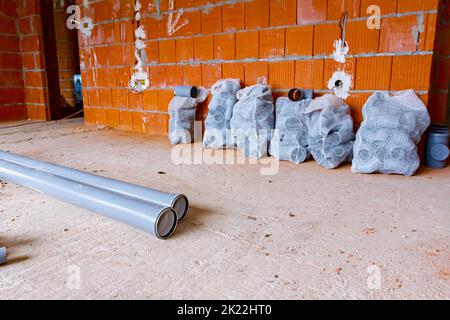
{"points": [[437, 151]]}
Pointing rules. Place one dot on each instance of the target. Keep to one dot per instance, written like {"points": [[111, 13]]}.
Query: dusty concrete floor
{"points": [[304, 233]]}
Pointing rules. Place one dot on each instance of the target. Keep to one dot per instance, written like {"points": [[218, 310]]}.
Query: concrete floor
{"points": [[306, 232]]}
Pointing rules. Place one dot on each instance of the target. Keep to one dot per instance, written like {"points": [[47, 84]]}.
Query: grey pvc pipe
{"points": [[2, 255], [437, 149], [186, 91], [158, 220], [179, 202]]}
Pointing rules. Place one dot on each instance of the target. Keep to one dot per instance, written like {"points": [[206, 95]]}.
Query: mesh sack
{"points": [[330, 136], [182, 117], [290, 140], [253, 120], [217, 124], [388, 137]]}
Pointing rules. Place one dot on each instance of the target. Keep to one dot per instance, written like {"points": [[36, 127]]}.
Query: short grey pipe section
{"points": [[186, 91], [179, 202], [161, 221], [2, 255]]}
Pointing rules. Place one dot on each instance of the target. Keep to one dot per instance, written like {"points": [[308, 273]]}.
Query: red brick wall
{"points": [[12, 96]]}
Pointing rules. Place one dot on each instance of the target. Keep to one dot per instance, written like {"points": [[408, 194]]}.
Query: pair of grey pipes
{"points": [[147, 209]]}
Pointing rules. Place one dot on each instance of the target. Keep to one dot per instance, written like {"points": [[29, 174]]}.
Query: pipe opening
{"points": [[194, 92], [181, 206], [295, 94], [166, 224]]}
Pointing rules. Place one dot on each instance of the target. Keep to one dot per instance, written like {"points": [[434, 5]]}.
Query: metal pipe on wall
{"points": [[158, 220], [179, 202]]}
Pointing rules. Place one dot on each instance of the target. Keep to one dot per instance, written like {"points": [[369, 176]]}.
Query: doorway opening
{"points": [[62, 61]]}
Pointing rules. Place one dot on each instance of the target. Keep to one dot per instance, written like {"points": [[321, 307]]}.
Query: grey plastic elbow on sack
{"points": [[297, 94], [186, 91]]}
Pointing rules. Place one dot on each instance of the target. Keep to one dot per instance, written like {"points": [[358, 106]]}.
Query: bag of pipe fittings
{"points": [[182, 110], [330, 136], [387, 139], [290, 139], [253, 120], [217, 124]]}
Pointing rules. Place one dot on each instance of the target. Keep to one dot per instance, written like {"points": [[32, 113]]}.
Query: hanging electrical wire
{"points": [[139, 79]]}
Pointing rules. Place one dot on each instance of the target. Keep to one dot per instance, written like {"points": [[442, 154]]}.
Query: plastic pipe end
{"points": [[181, 206]]}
